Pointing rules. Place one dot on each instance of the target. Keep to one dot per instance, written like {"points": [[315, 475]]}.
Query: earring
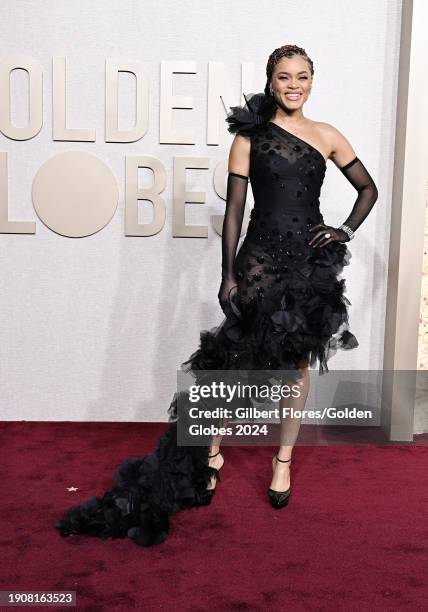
{"points": [[271, 89]]}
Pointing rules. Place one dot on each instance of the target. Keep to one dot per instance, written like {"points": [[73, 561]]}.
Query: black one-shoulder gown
{"points": [[290, 305]]}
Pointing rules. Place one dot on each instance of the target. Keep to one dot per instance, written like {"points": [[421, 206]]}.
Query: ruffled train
{"points": [[148, 489], [269, 333]]}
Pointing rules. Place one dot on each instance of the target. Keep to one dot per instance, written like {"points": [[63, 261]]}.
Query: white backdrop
{"points": [[95, 328]]}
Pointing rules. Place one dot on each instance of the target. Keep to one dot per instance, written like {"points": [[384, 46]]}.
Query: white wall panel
{"points": [[95, 328]]}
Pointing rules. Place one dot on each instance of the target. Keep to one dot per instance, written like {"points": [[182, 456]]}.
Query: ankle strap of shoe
{"points": [[282, 460], [215, 455]]}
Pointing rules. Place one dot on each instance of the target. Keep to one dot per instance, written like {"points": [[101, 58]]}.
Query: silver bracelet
{"points": [[347, 230]]}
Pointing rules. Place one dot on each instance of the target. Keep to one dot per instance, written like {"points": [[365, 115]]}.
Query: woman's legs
{"points": [[290, 426]]}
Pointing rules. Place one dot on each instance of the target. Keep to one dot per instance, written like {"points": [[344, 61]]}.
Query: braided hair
{"points": [[278, 54]]}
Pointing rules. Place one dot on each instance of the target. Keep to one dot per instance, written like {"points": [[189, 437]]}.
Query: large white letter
{"points": [[35, 97], [113, 134], [60, 131]]}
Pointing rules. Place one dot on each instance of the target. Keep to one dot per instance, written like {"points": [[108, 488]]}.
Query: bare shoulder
{"points": [[239, 155], [341, 150]]}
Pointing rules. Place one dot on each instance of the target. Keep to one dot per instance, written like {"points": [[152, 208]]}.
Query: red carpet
{"points": [[354, 536]]}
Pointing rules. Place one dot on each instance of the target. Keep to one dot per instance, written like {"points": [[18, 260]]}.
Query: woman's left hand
{"points": [[326, 234]]}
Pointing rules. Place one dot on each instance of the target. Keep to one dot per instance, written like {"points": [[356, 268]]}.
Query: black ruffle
{"points": [[279, 329], [258, 109], [148, 489]]}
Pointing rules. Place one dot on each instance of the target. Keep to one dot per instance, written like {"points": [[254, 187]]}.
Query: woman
{"points": [[284, 303]]}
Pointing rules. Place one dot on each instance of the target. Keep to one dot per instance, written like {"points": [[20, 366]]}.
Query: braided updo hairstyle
{"points": [[278, 54]]}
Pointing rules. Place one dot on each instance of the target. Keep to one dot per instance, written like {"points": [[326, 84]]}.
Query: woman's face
{"points": [[292, 75]]}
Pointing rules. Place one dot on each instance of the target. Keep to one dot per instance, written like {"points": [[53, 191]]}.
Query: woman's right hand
{"points": [[228, 288]]}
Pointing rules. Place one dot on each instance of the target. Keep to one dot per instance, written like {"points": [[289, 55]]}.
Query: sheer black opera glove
{"points": [[236, 195], [358, 176]]}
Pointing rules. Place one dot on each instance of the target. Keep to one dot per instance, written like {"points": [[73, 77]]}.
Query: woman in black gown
{"points": [[281, 294]]}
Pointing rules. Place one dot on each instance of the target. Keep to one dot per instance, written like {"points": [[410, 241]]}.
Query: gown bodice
{"points": [[285, 168], [286, 176]]}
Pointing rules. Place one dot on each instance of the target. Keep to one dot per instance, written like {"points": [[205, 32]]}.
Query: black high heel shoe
{"points": [[206, 496], [279, 499]]}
